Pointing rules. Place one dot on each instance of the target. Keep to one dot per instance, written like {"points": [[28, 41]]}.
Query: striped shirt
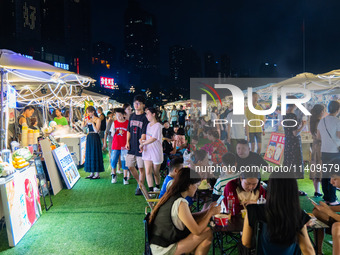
{"points": [[222, 182]]}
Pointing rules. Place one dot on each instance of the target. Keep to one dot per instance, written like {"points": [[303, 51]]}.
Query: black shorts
{"points": [[257, 135]]}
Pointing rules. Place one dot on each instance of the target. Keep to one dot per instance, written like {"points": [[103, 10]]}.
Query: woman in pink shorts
{"points": [[152, 150]]}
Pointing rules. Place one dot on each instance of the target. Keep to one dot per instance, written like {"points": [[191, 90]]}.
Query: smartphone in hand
{"points": [[219, 201], [313, 202]]}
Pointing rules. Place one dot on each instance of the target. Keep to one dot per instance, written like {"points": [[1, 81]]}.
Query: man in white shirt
{"points": [[237, 129], [329, 133]]}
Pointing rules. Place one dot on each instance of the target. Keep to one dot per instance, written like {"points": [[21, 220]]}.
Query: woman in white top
{"points": [[175, 230], [329, 133], [152, 149]]}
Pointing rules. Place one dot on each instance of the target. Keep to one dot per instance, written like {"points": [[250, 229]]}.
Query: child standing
{"points": [[119, 132], [152, 150]]}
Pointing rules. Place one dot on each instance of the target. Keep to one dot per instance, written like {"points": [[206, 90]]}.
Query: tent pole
{"points": [[2, 131], [71, 114]]}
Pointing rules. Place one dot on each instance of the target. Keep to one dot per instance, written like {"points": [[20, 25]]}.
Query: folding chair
{"points": [[151, 198], [164, 170], [147, 249]]}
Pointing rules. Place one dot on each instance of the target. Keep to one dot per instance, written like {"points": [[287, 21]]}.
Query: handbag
{"points": [[324, 122]]}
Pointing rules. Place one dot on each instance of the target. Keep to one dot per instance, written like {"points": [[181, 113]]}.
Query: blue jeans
{"points": [[329, 191], [114, 159]]}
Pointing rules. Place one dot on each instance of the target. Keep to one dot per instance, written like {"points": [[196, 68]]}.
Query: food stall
{"points": [[39, 84], [323, 83], [20, 199]]}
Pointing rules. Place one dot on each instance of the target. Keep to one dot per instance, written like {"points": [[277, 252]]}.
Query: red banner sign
{"points": [[275, 148]]}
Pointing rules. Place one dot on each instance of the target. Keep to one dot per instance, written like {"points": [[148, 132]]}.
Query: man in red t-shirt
{"points": [[119, 133]]}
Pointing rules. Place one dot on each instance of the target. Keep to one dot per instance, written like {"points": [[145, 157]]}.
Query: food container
{"points": [[221, 219]]}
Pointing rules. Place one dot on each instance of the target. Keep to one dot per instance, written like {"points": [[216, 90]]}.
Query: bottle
{"points": [[30, 136], [186, 158], [24, 135], [261, 200], [231, 204], [36, 134]]}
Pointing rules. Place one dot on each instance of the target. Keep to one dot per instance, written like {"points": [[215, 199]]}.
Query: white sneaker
{"points": [[119, 171], [114, 178], [156, 189], [125, 182]]}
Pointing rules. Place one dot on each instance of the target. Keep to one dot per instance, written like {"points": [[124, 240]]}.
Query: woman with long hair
{"points": [[317, 112], [293, 146], [175, 230], [93, 155], [152, 149], [284, 223], [128, 110]]}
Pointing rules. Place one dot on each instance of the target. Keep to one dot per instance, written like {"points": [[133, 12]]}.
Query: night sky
{"points": [[250, 32]]}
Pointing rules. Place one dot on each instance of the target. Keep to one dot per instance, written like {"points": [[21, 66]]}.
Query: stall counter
{"points": [[76, 143]]}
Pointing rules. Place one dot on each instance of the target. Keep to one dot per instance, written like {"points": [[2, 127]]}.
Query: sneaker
{"points": [[138, 192], [316, 194], [125, 181], [302, 193], [119, 171], [114, 178], [155, 189], [333, 203]]}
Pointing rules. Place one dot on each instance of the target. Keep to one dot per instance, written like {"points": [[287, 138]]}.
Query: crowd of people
{"points": [[143, 141], [149, 139]]}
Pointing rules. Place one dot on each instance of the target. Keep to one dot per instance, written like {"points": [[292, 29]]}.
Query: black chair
{"points": [[147, 249]]}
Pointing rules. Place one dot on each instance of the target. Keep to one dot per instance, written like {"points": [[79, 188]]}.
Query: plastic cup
{"points": [[244, 213]]}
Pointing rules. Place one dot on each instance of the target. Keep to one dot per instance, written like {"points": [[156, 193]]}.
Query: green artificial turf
{"points": [[97, 217]]}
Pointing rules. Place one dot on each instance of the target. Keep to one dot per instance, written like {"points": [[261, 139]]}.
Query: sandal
{"points": [[89, 177], [96, 177]]}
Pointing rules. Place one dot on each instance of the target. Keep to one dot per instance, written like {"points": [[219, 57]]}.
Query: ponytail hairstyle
{"points": [[316, 112], [153, 111], [184, 178]]}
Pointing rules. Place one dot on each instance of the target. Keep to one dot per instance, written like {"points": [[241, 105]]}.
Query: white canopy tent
{"points": [[309, 81], [31, 76]]}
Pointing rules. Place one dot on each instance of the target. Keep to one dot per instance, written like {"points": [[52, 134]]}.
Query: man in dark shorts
{"points": [[181, 116], [136, 130], [255, 130]]}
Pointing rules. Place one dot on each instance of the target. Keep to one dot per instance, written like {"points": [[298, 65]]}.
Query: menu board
{"points": [[21, 203], [275, 148], [66, 165]]}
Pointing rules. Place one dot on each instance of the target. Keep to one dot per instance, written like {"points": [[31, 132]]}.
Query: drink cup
{"points": [[244, 213]]}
